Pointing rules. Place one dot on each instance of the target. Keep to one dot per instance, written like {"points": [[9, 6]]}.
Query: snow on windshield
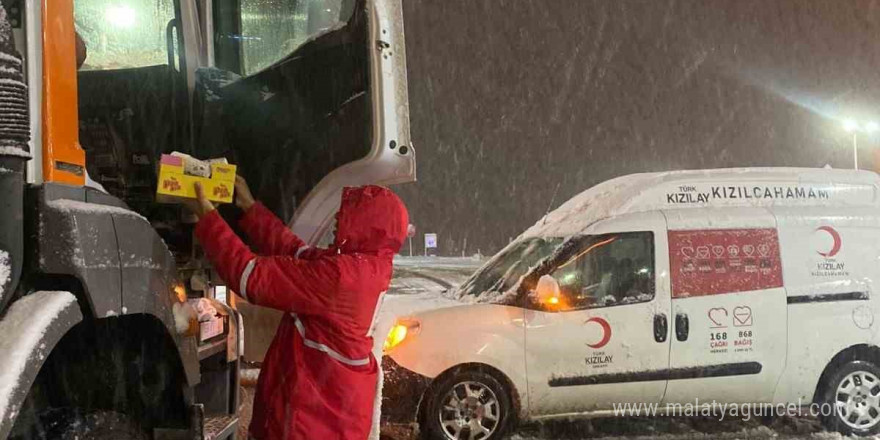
{"points": [[503, 272]]}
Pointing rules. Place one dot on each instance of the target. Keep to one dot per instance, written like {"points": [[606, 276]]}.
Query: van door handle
{"points": [[681, 327], [661, 327]]}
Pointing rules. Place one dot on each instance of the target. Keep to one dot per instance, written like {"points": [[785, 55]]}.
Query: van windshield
{"points": [[501, 274]]}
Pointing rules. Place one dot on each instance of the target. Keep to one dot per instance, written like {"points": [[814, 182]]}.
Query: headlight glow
{"points": [[180, 292], [399, 333]]}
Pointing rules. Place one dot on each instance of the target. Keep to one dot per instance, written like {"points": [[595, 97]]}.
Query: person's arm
{"points": [[283, 283], [266, 232], [280, 282]]}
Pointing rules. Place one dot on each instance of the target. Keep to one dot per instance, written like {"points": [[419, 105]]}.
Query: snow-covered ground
{"points": [[472, 263], [431, 274]]}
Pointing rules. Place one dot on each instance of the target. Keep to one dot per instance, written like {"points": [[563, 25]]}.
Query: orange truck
{"points": [[111, 321]]}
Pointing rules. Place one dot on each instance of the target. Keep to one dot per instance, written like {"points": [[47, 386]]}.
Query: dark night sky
{"points": [[512, 99]]}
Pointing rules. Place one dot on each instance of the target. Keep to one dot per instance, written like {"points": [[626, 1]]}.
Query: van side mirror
{"points": [[547, 294]]}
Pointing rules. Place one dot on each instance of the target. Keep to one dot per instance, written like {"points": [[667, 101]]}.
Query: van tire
{"points": [[864, 377], [460, 382]]}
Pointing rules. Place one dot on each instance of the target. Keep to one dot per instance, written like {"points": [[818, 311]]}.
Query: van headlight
{"points": [[401, 329]]}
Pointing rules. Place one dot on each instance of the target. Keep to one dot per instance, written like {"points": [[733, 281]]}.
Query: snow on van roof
{"points": [[750, 187]]}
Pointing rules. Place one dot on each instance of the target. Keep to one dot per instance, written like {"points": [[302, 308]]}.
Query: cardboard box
{"points": [[175, 185]]}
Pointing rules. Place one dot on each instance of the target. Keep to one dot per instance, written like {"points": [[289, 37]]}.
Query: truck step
{"points": [[220, 427]]}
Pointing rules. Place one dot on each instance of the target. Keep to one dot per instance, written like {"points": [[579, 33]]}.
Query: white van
{"points": [[740, 286]]}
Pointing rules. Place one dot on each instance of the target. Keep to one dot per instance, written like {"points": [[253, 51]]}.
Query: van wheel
{"points": [[469, 405], [853, 394]]}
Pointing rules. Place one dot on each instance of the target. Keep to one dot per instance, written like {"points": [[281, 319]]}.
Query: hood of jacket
{"points": [[371, 220]]}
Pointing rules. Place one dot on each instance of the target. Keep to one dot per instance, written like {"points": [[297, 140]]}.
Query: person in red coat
{"points": [[319, 376]]}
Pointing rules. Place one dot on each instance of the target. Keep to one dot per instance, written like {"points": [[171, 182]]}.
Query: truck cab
{"points": [[99, 308]]}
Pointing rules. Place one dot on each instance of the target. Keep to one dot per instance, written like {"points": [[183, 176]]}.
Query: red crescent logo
{"points": [[606, 332], [834, 236]]}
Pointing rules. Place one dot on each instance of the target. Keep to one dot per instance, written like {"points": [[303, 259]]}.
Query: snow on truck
{"points": [[305, 97], [743, 286]]}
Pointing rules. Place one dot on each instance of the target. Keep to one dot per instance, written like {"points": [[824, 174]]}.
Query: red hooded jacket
{"points": [[319, 377]]}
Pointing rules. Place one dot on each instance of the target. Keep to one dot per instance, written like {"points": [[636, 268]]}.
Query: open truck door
{"points": [[306, 107], [307, 98]]}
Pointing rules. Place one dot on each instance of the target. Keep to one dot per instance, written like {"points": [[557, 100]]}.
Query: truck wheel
{"points": [[853, 394], [470, 405]]}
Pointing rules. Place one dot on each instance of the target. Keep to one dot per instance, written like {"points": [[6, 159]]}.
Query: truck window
{"points": [[608, 270], [255, 34], [120, 35], [271, 30], [303, 115], [132, 103]]}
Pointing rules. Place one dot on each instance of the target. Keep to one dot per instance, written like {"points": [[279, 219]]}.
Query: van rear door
{"points": [[728, 306], [830, 262]]}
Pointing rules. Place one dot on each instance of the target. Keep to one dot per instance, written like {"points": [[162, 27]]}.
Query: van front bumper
{"points": [[402, 393]]}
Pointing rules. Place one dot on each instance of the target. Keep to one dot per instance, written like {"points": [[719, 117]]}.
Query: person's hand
{"points": [[201, 206], [243, 197]]}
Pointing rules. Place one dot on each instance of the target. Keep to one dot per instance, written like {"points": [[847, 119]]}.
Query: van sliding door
{"points": [[728, 306]]}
